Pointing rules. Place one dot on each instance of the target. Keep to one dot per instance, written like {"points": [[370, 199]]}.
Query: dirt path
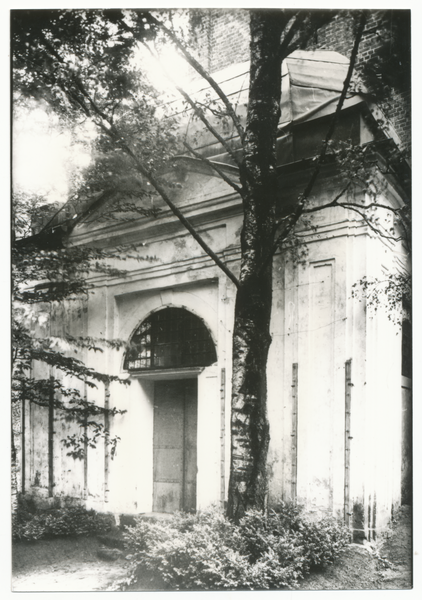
{"points": [[71, 565], [63, 565], [385, 565]]}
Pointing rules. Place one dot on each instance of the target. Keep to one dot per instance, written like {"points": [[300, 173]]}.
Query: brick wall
{"points": [[223, 39], [338, 36]]}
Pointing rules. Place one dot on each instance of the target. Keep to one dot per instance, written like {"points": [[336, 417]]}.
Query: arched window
{"points": [[170, 338]]}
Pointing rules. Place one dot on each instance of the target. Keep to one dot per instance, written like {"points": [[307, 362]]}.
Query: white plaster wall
{"points": [[68, 472], [132, 469], [381, 450], [208, 443], [276, 399], [130, 480], [356, 350], [374, 346], [315, 323], [308, 329]]}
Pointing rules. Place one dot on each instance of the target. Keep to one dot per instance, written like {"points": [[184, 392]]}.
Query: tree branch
{"points": [[285, 48], [113, 133], [339, 108], [351, 204], [333, 202], [157, 186], [292, 219], [320, 19], [198, 111], [203, 73], [216, 168], [200, 114], [357, 209]]}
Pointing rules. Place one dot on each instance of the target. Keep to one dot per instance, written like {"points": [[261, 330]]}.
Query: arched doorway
{"points": [[174, 445], [165, 346]]}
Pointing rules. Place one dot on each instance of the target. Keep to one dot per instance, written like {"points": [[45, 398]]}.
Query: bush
{"points": [[294, 536], [30, 523], [323, 540], [206, 551]]}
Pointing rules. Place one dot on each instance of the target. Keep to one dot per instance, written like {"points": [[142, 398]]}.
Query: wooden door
{"points": [[175, 432]]}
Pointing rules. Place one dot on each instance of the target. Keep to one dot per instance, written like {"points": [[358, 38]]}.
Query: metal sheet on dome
{"points": [[317, 70], [311, 85]]}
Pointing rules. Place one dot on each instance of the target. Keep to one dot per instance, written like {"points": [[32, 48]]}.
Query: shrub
{"points": [[206, 551], [263, 533], [30, 523], [295, 537], [322, 541], [188, 551]]}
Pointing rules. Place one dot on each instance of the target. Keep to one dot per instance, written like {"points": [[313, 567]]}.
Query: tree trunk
{"points": [[251, 335]]}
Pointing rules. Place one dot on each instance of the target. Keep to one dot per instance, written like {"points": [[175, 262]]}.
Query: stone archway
{"points": [[170, 347], [170, 338]]}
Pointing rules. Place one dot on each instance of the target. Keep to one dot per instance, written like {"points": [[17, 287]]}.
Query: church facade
{"points": [[336, 393]]}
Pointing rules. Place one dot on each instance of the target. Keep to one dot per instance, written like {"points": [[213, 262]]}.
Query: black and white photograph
{"points": [[211, 299]]}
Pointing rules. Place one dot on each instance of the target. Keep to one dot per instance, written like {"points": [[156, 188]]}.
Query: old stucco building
{"points": [[336, 393]]}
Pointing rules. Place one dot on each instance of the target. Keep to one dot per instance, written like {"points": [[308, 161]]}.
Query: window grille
{"points": [[170, 338]]}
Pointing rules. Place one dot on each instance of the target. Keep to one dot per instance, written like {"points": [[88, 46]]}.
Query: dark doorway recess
{"points": [[170, 338], [175, 442]]}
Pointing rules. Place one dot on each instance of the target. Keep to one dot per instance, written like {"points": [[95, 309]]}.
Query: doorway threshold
{"points": [[156, 515], [160, 374]]}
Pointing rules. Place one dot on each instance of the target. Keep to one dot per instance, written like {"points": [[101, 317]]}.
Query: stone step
{"points": [[127, 520]]}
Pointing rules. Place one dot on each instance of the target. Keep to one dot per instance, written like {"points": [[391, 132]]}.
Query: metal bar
{"points": [[374, 518], [294, 429], [184, 449], [85, 446], [23, 452], [369, 519], [51, 438], [31, 442], [223, 436], [347, 438], [106, 438]]}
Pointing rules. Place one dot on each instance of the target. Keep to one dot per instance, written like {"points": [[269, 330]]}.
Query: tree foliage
{"points": [[77, 64], [46, 279]]}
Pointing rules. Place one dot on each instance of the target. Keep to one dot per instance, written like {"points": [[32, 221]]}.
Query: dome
{"points": [[312, 82]]}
